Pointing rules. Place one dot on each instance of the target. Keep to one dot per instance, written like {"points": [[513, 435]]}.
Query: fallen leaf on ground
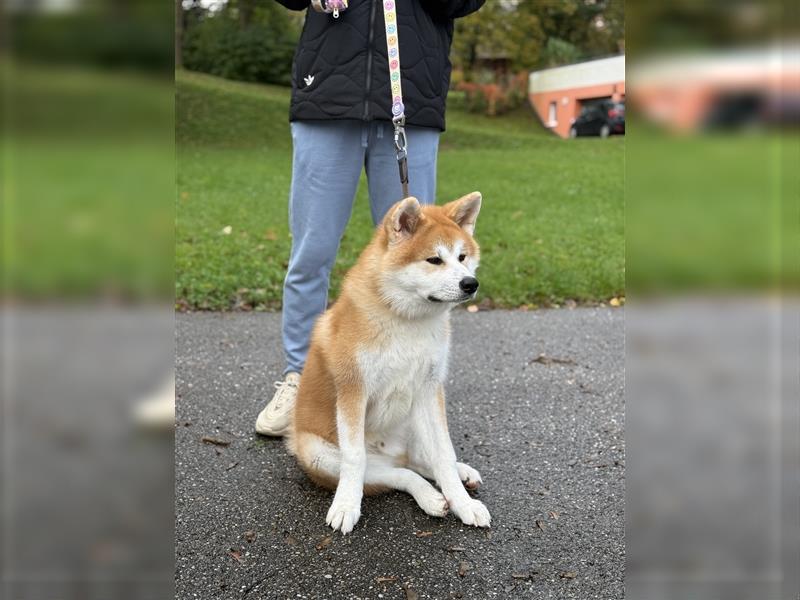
{"points": [[411, 593], [614, 302], [324, 543], [423, 533], [232, 465], [207, 439], [521, 575], [472, 308], [456, 549], [553, 515], [543, 359], [270, 235], [227, 230], [540, 524], [235, 554], [463, 568], [387, 579], [250, 536], [290, 539], [568, 574]]}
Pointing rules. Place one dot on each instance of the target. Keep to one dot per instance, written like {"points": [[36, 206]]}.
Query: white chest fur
{"points": [[408, 360]]}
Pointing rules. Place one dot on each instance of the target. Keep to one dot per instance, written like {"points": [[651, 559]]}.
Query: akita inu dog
{"points": [[370, 412]]}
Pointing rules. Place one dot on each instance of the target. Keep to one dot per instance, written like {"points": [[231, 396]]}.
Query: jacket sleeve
{"points": [[295, 4], [451, 9]]}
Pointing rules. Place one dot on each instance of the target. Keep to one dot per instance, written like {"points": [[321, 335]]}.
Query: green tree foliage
{"points": [[532, 34], [682, 25], [102, 35], [558, 52], [254, 40], [244, 40]]}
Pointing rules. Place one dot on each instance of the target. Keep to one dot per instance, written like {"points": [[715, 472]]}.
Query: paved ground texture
{"points": [[535, 402]]}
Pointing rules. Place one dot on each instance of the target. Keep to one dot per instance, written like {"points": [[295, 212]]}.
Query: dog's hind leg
{"points": [[380, 472], [321, 460], [469, 477]]}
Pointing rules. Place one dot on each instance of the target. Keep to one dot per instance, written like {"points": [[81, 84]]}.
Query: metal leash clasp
{"points": [[401, 148], [400, 142]]}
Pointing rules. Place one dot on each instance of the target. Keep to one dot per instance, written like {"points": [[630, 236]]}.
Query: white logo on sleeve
{"points": [[309, 79]]}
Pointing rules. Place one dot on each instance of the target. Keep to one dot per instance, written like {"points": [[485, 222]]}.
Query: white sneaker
{"points": [[277, 415], [157, 412]]}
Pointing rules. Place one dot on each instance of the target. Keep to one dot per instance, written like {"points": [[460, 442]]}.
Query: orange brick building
{"points": [[689, 92], [557, 95]]}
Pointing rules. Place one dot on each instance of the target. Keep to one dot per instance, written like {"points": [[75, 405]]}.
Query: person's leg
{"points": [[326, 165], [382, 172]]}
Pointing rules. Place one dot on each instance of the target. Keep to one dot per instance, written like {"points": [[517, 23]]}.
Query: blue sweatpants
{"points": [[328, 157]]}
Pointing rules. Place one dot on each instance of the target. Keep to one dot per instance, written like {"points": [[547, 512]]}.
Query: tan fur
{"points": [[331, 377], [442, 407]]}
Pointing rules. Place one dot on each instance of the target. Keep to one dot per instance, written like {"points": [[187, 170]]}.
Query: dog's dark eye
{"points": [[434, 260], [461, 257]]}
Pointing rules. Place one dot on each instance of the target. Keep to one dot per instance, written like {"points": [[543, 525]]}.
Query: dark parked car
{"points": [[601, 118]]}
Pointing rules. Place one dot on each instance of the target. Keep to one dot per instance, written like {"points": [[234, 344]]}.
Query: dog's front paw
{"points": [[469, 476], [343, 515], [472, 512]]}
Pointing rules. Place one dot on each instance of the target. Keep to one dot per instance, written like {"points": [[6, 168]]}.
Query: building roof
{"points": [[592, 72]]}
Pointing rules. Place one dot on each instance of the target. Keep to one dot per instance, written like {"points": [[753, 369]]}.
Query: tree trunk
{"points": [[178, 34], [246, 10]]}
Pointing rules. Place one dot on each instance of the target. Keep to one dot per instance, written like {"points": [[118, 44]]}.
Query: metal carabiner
{"points": [[401, 147], [400, 140]]}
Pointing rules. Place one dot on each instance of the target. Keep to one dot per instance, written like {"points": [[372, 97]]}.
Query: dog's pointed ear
{"points": [[464, 211], [403, 218]]}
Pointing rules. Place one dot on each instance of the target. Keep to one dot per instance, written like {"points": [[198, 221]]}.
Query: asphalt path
{"points": [[535, 403]]}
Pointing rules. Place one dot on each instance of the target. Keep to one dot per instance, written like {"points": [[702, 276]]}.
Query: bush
{"points": [[260, 52], [493, 98], [139, 42]]}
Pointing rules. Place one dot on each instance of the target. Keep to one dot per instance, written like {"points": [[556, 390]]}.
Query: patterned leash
{"points": [[393, 53], [398, 110]]}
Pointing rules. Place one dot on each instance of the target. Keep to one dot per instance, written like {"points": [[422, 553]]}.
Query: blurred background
{"points": [[711, 229], [87, 320]]}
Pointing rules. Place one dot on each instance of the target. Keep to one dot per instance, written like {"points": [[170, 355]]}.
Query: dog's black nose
{"points": [[468, 285]]}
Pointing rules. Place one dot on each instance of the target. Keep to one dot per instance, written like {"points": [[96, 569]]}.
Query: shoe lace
{"points": [[283, 387]]}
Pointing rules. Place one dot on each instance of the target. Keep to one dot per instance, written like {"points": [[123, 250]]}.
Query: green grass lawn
{"points": [[551, 227], [716, 212], [87, 180]]}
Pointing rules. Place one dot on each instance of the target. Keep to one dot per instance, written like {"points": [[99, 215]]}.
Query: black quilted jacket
{"points": [[340, 69]]}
